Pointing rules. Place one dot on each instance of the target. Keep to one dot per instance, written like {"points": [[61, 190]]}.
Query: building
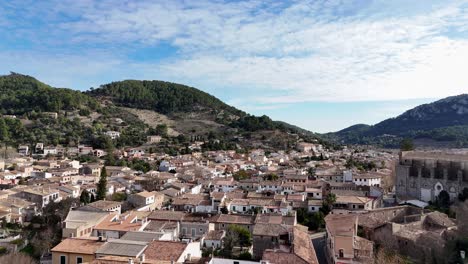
{"points": [[76, 250], [115, 225], [112, 134], [172, 252], [343, 245], [423, 175], [368, 179], [299, 251], [147, 201], [214, 239], [40, 195], [419, 234], [103, 206], [153, 139], [81, 223]]}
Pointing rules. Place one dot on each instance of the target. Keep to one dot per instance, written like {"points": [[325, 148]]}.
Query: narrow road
{"points": [[318, 240]]}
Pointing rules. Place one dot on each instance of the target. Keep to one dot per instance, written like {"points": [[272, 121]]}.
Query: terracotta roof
{"points": [[279, 257], [352, 199], [103, 205], [235, 219], [123, 222], [272, 230], [275, 219], [145, 194], [79, 245], [157, 226], [342, 225], [302, 245], [167, 215], [165, 250]]}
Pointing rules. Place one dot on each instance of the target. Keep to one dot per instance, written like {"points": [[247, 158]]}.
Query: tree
{"points": [[245, 239], [407, 144], [102, 185], [328, 202], [161, 130], [92, 198], [84, 197], [4, 135], [241, 175], [316, 221], [270, 177], [311, 173], [463, 195], [443, 199], [230, 240]]}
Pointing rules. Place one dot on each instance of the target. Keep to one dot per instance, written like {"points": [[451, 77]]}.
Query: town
{"points": [[234, 132], [308, 204]]}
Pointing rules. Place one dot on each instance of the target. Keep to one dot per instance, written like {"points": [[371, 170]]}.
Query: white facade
{"points": [[377, 181]]}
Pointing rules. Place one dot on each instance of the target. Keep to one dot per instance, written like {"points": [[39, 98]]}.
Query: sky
{"points": [[323, 65]]}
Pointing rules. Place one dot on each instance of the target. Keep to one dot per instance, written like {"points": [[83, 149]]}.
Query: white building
{"points": [[112, 134], [368, 180]]}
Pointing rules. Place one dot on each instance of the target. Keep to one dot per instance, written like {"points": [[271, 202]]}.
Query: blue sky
{"points": [[322, 65]]}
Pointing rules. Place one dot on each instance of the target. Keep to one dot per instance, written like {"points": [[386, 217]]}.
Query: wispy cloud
{"points": [[297, 51]]}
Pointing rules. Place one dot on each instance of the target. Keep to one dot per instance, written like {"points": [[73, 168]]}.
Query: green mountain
{"points": [[21, 94], [135, 108], [445, 120]]}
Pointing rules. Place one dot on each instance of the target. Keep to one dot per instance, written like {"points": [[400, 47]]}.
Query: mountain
{"points": [[445, 120], [136, 109], [20, 94]]}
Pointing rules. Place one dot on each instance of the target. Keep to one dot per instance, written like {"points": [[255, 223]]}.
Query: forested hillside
{"points": [[171, 98], [445, 120], [35, 112], [20, 94]]}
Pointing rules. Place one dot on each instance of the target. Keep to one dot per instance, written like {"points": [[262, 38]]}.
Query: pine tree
{"points": [[102, 185]]}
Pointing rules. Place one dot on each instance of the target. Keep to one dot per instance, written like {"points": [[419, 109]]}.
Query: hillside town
{"points": [[308, 204]]}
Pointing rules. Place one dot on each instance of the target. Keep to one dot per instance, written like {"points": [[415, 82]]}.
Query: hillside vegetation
{"points": [[20, 94], [445, 120], [134, 108]]}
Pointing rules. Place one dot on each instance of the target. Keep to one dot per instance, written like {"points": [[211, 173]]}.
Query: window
{"points": [[63, 260], [79, 260]]}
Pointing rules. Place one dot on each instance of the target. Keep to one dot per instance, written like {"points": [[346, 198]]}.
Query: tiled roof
{"points": [[79, 245], [272, 230], [167, 215], [235, 219], [165, 250]]}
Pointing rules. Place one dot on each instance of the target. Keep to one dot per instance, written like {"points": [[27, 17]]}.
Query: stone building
{"points": [[419, 234], [423, 175]]}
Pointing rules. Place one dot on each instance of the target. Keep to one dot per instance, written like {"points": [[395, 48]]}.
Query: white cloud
{"points": [[298, 52]]}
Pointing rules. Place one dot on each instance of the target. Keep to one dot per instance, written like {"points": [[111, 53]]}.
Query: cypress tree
{"points": [[102, 185]]}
